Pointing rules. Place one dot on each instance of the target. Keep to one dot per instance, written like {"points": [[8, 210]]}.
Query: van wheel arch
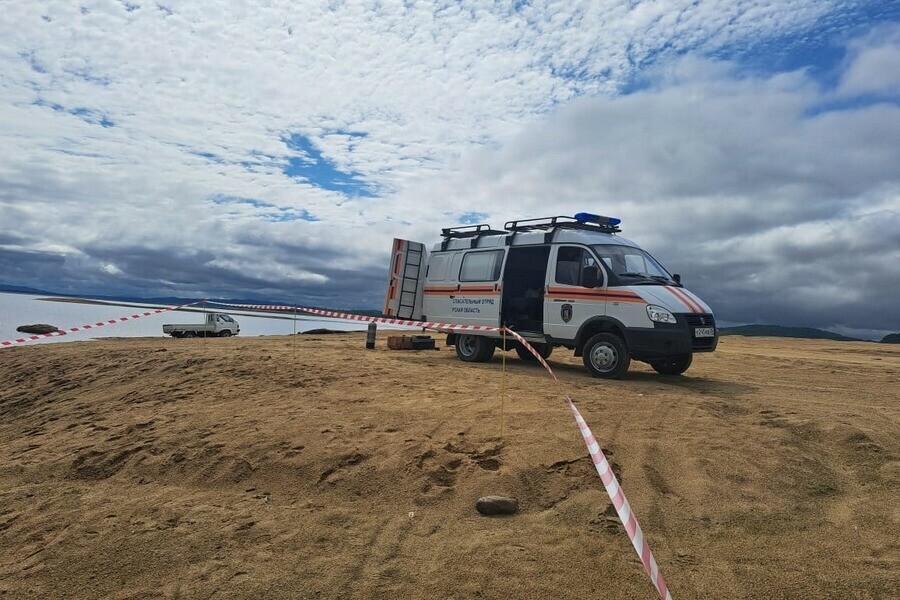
{"points": [[592, 327], [474, 348], [606, 355]]}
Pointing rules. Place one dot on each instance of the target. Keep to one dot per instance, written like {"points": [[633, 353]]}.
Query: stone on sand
{"points": [[37, 329], [497, 505]]}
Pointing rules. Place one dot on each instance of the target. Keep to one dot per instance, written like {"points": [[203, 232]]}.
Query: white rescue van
{"points": [[556, 281]]}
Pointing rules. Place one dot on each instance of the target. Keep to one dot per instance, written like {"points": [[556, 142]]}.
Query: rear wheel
{"points": [[605, 355], [673, 365], [189, 334], [543, 349], [474, 348]]}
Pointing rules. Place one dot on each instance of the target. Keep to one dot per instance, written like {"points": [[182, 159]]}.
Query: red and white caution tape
{"points": [[613, 488], [363, 318], [623, 508], [149, 313], [610, 482]]}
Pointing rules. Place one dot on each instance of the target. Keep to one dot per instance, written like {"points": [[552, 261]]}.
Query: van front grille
{"points": [[702, 320]]}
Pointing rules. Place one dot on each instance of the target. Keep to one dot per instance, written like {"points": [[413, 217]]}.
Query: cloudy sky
{"points": [[273, 149]]}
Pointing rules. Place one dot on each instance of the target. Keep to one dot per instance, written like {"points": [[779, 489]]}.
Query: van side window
{"points": [[481, 266], [570, 261], [568, 265]]}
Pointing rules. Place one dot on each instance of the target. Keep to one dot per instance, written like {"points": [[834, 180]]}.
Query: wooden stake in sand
{"points": [[503, 386], [294, 343]]}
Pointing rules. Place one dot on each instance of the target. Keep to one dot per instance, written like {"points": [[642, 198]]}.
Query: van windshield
{"points": [[632, 264]]}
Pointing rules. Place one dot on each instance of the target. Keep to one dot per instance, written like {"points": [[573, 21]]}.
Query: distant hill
{"points": [[891, 338], [790, 332], [18, 289]]}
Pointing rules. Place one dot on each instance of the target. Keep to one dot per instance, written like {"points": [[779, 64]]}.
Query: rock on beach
{"points": [[37, 329], [497, 505]]}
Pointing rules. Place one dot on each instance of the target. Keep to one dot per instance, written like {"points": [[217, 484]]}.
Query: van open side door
{"points": [[406, 280]]}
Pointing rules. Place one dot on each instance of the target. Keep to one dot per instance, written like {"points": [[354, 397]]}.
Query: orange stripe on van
{"points": [[455, 290], [597, 295], [690, 296], [692, 306], [606, 292]]}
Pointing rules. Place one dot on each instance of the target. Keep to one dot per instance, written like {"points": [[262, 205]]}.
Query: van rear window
{"points": [[481, 266], [437, 269]]}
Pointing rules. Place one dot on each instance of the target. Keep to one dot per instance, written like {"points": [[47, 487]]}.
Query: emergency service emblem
{"points": [[566, 312]]}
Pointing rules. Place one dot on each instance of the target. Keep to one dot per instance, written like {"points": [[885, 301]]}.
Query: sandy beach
{"points": [[309, 467]]}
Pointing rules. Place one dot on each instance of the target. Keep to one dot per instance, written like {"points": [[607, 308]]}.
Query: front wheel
{"points": [[605, 355], [673, 365], [225, 333], [474, 348], [543, 349]]}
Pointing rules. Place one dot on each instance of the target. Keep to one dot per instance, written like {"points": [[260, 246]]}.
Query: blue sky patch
{"points": [[33, 63], [213, 158], [85, 114], [473, 218], [268, 211], [351, 133], [819, 50], [312, 166]]}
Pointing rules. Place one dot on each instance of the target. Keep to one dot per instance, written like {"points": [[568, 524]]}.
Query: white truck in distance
{"points": [[568, 282], [216, 325]]}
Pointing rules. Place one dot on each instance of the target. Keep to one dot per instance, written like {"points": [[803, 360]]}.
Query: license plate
{"points": [[704, 332]]}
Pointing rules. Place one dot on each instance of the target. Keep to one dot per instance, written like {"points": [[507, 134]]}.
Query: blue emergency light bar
{"points": [[584, 221], [598, 219]]}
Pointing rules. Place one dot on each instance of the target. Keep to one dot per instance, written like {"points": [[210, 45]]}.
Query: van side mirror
{"points": [[589, 277], [676, 277]]}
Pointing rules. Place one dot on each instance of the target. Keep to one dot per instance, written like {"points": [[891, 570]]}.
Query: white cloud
{"points": [[111, 269], [874, 64]]}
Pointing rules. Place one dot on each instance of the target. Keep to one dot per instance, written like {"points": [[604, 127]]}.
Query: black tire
{"points": [[474, 348], [673, 365], [543, 349], [225, 333], [605, 355], [189, 334]]}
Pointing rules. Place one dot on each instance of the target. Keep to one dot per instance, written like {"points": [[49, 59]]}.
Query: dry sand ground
{"points": [[308, 467]]}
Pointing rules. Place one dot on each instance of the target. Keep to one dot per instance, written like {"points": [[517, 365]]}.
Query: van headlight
{"points": [[659, 314]]}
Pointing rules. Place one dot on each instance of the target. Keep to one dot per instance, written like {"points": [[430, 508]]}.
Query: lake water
{"points": [[24, 309]]}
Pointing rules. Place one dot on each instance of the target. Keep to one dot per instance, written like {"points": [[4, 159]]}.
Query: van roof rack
{"points": [[562, 222], [473, 232], [469, 231]]}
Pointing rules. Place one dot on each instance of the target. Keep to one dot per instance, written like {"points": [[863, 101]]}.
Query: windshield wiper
{"points": [[648, 279]]}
